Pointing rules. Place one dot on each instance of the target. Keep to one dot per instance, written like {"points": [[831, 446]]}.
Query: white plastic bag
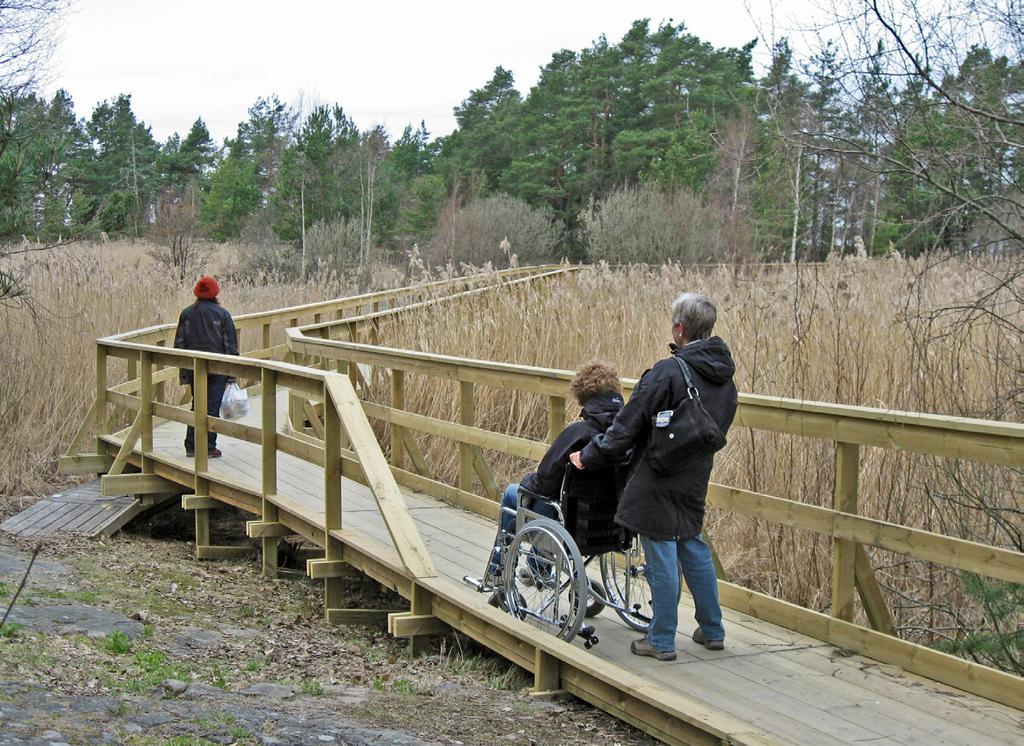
{"points": [[235, 403]]}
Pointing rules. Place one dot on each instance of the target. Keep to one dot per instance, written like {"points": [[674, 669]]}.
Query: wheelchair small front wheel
{"points": [[545, 580], [628, 591], [595, 602]]}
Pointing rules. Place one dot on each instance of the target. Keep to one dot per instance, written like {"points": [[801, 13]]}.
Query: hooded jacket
{"points": [[598, 413], [208, 327], [662, 507]]}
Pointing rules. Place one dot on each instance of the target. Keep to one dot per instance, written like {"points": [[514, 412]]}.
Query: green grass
{"points": [[404, 686], [118, 643], [11, 630], [311, 686], [85, 597], [3, 589]]}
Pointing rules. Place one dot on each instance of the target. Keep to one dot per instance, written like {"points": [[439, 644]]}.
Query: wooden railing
{"points": [[850, 428]]}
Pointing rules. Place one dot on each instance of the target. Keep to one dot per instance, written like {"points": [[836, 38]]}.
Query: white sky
{"points": [[393, 63]]}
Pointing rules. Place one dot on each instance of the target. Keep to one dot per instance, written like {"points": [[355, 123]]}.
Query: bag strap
{"points": [[691, 389]]}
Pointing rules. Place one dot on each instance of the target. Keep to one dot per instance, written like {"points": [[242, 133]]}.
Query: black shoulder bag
{"points": [[681, 433]]}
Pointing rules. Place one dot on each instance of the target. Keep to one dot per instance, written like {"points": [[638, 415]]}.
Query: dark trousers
{"points": [[215, 385]]}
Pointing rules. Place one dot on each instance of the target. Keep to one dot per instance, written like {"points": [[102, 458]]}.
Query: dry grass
{"points": [[866, 333]]}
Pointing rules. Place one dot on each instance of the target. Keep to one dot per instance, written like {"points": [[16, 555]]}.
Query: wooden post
{"points": [[102, 423], [556, 416], [146, 409], [421, 604], [333, 549], [843, 550], [268, 466], [202, 489], [467, 416], [547, 674], [160, 389], [266, 336], [397, 402]]}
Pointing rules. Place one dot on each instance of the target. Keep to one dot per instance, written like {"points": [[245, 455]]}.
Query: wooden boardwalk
{"points": [[775, 684], [81, 510]]}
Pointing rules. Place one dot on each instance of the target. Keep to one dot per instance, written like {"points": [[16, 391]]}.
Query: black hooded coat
{"points": [[598, 413], [653, 505]]}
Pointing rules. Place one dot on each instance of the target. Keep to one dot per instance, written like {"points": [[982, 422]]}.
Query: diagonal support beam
{"points": [[406, 537]]}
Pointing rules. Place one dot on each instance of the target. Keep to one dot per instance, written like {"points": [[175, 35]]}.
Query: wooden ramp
{"points": [[778, 685], [82, 510]]}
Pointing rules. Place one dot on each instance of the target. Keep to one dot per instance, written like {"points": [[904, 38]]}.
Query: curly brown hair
{"points": [[593, 378]]}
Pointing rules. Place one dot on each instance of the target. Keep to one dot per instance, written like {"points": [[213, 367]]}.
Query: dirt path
{"points": [[131, 641]]}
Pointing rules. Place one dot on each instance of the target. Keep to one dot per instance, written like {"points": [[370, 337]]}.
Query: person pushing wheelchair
{"points": [[667, 510], [597, 390]]}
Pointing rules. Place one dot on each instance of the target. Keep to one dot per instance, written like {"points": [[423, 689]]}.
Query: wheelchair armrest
{"points": [[525, 493]]}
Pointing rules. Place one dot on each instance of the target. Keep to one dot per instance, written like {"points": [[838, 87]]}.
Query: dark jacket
{"points": [[208, 327], [598, 413], [652, 505]]}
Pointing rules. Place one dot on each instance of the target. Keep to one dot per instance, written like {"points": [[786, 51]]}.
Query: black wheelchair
{"points": [[544, 573]]}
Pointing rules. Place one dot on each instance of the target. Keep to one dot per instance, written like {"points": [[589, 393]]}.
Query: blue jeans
{"points": [[507, 521], [215, 385], [664, 559]]}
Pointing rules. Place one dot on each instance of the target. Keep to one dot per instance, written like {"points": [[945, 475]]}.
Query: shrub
{"points": [[492, 229], [645, 225]]}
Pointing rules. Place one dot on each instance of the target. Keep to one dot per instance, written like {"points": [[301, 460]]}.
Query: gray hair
{"points": [[697, 314]]}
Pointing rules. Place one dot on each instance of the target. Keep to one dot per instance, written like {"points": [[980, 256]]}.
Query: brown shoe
{"points": [[698, 637], [643, 647], [214, 453]]}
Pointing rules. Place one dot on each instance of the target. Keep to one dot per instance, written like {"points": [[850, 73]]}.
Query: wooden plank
{"points": [[127, 446], [407, 624], [83, 430], [843, 551], [483, 471], [266, 529], [318, 569], [937, 439], [60, 515], [85, 463], [871, 594], [207, 551], [136, 484], [397, 432], [294, 444], [313, 418], [556, 417], [985, 560], [372, 617], [199, 502], [971, 677], [26, 516], [467, 418], [392, 507], [419, 462]]}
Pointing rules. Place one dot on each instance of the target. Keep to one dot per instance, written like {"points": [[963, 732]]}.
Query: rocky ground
{"points": [[129, 640]]}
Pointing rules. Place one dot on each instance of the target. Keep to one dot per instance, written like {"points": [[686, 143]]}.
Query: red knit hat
{"points": [[207, 288]]}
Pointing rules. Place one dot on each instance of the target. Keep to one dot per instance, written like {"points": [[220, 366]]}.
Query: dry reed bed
{"points": [[866, 333]]}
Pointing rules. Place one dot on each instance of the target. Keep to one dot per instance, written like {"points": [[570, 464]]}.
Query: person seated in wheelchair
{"points": [[597, 390]]}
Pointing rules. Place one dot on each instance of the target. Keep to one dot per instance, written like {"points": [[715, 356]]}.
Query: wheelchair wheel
{"points": [[594, 603], [545, 582], [623, 575]]}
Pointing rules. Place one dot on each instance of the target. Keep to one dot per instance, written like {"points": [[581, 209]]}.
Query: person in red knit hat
{"points": [[208, 327]]}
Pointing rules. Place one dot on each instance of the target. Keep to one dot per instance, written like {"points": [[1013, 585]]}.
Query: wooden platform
{"points": [[83, 510], [789, 687]]}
